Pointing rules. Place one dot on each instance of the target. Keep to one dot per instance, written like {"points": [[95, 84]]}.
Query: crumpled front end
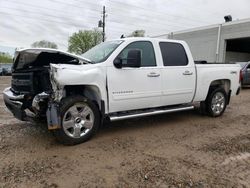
{"points": [[83, 76], [22, 110], [32, 91]]}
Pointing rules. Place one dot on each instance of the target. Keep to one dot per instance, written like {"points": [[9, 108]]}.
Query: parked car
{"points": [[5, 69], [119, 79], [245, 68], [1, 71]]}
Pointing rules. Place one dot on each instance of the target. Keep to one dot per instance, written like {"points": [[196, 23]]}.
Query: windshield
{"points": [[102, 51]]}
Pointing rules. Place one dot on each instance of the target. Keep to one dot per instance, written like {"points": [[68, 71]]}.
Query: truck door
{"points": [[178, 74], [135, 88]]}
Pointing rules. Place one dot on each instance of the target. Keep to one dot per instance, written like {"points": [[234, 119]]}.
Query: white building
{"points": [[227, 42]]}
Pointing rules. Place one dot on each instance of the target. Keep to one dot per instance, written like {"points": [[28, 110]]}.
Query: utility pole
{"points": [[102, 23]]}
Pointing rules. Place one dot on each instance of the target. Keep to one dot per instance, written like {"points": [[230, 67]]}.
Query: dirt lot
{"points": [[175, 150]]}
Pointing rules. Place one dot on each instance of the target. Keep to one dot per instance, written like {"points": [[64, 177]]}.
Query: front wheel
{"points": [[216, 102], [80, 120]]}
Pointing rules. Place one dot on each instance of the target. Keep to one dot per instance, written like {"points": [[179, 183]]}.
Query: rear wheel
{"points": [[216, 102], [80, 119]]}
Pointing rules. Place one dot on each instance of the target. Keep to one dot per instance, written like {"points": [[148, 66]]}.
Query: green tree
{"points": [[83, 40], [5, 58], [44, 44], [137, 33]]}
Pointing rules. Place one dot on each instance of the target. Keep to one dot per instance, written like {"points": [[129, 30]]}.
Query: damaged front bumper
{"points": [[16, 105]]}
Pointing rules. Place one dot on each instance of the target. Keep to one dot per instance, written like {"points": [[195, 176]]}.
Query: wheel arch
{"points": [[222, 83], [91, 92]]}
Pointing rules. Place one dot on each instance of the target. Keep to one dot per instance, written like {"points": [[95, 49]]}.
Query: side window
{"points": [[248, 67], [173, 54], [147, 53]]}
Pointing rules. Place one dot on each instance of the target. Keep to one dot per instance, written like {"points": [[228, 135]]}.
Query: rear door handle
{"points": [[186, 73], [153, 74]]}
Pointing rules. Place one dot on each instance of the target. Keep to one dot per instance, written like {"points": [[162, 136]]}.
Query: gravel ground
{"points": [[174, 150]]}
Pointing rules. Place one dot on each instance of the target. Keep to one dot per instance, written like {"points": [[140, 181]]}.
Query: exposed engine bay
{"points": [[31, 78]]}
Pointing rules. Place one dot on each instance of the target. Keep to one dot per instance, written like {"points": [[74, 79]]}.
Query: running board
{"points": [[149, 113]]}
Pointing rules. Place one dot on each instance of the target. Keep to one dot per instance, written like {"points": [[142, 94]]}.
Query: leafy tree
{"points": [[5, 58], [83, 40], [137, 33], [44, 44]]}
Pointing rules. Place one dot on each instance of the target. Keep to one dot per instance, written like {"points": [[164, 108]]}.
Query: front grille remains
{"points": [[22, 83]]}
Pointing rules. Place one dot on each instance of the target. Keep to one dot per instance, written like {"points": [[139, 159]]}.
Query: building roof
{"points": [[235, 22]]}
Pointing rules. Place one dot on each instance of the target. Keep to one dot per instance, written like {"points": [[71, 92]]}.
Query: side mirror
{"points": [[134, 58], [118, 62]]}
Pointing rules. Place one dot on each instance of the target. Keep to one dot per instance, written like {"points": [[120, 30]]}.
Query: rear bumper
{"points": [[14, 104]]}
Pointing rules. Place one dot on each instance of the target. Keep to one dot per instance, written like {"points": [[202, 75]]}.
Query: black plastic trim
{"points": [[229, 96]]}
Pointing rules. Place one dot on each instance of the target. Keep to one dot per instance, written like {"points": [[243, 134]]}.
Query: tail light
{"points": [[241, 76]]}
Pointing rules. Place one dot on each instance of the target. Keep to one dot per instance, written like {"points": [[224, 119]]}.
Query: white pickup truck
{"points": [[119, 79]]}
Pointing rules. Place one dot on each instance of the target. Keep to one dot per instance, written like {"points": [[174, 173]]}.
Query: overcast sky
{"points": [[23, 22]]}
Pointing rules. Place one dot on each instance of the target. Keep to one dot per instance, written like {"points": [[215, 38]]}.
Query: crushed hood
{"points": [[40, 57]]}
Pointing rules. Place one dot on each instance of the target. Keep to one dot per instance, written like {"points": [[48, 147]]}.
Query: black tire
{"points": [[65, 105], [222, 105]]}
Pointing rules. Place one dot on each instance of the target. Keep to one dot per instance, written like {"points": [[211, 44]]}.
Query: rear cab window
{"points": [[173, 54], [248, 67]]}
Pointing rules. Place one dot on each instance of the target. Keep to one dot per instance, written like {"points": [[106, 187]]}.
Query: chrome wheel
{"points": [[218, 103], [78, 120]]}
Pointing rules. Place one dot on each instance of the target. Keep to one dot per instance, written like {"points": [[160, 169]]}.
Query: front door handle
{"points": [[186, 73], [153, 74]]}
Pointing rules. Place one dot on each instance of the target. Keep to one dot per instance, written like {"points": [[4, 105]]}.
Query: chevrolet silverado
{"points": [[115, 80]]}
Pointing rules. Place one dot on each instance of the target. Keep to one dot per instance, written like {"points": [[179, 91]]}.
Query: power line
{"points": [[142, 8], [49, 21], [74, 5], [147, 10], [111, 21], [114, 21], [145, 20], [158, 12], [46, 20], [211, 13], [45, 8], [81, 7], [121, 31], [53, 21], [44, 15], [155, 22], [49, 8]]}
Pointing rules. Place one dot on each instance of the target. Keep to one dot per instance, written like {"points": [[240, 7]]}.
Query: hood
{"points": [[42, 57]]}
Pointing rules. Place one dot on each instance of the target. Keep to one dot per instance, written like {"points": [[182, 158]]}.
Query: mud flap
{"points": [[229, 97], [53, 116]]}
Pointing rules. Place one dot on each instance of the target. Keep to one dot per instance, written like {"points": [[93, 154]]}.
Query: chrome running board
{"points": [[149, 113]]}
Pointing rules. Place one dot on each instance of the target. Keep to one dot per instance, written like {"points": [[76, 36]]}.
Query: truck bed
{"points": [[210, 72]]}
